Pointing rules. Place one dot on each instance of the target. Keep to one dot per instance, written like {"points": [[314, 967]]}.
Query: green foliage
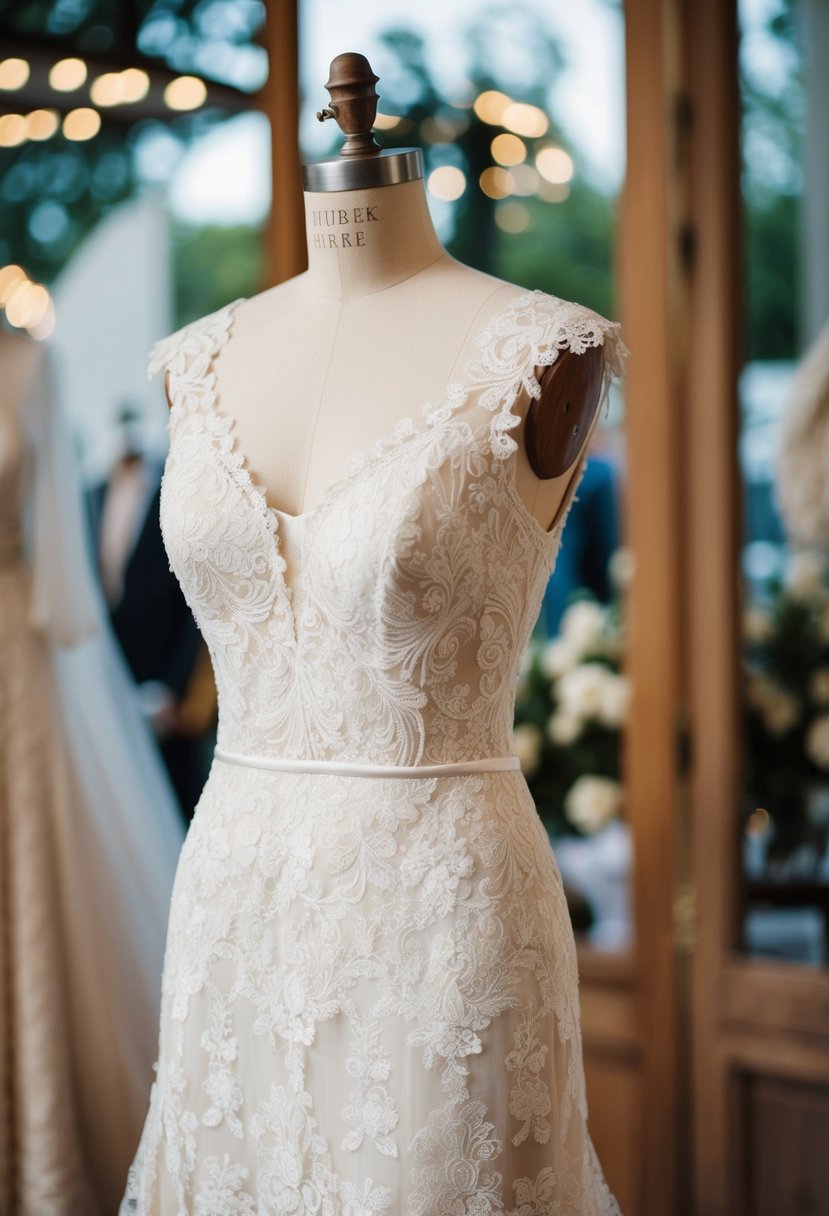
{"points": [[213, 265], [786, 700]]}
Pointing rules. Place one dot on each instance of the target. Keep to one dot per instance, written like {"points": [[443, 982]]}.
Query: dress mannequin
{"points": [[381, 321]]}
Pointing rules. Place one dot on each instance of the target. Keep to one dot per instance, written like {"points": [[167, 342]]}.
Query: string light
{"points": [[185, 93], [386, 122], [67, 75], [496, 182], [12, 130], [27, 305], [523, 119], [491, 105], [512, 217], [508, 150], [447, 183], [13, 74], [10, 277], [41, 124], [120, 88], [554, 164], [81, 124]]}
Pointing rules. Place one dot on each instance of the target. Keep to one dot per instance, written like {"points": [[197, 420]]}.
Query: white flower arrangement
{"points": [[592, 802], [786, 705], [571, 707]]}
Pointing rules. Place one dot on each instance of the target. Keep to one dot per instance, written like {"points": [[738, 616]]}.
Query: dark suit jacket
{"points": [[152, 622], [588, 543]]}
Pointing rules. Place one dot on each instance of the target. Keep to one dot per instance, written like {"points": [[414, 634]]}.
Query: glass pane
{"points": [[520, 114], [783, 452]]}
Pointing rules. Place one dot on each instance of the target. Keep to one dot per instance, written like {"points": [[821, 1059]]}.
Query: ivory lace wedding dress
{"points": [[370, 995]]}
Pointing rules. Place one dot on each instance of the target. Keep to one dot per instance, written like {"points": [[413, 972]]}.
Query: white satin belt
{"points": [[487, 764]]}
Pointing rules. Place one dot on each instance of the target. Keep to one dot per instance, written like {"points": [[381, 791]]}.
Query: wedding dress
{"points": [[89, 837], [370, 994]]}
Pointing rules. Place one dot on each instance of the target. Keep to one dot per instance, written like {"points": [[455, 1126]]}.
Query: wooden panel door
{"points": [[760, 1027]]}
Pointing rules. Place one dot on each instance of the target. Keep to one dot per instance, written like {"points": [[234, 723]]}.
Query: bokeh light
{"points": [[10, 277], [447, 183], [508, 150], [185, 93], [81, 124], [491, 106], [12, 130], [512, 217], [41, 124], [67, 75], [523, 119], [554, 164], [496, 182], [13, 73]]}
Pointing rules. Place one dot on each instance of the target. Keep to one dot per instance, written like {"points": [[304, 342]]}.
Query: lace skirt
{"points": [[370, 1007]]}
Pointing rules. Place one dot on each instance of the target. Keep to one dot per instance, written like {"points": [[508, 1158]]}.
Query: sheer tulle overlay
{"points": [[89, 838], [370, 995]]}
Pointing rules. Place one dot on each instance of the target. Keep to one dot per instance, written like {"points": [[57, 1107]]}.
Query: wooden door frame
{"points": [[651, 293], [751, 1017]]}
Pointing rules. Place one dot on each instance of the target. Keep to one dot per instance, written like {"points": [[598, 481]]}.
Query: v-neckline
{"points": [[362, 460], [412, 429]]}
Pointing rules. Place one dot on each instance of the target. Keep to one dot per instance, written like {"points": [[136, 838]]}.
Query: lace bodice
{"points": [[416, 581]]}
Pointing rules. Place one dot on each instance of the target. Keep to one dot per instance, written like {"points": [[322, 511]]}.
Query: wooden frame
{"points": [[750, 1017], [650, 280], [285, 253]]}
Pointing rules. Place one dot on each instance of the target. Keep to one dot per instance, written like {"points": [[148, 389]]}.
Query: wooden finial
{"points": [[353, 103]]}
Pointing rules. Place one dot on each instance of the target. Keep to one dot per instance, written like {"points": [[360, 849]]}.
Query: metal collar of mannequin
{"points": [[386, 168]]}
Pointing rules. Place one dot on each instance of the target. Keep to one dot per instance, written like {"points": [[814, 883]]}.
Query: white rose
{"points": [[581, 692], [563, 728], [781, 713], [526, 743], [779, 710], [805, 575], [615, 700], [819, 686], [592, 802], [582, 625], [817, 741], [757, 626], [557, 657], [621, 567]]}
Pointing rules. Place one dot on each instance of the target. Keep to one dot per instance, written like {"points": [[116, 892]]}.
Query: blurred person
{"points": [[591, 538], [89, 836], [154, 627]]}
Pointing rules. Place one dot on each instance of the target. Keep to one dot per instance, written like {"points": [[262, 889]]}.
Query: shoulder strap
{"points": [[530, 334], [192, 347]]}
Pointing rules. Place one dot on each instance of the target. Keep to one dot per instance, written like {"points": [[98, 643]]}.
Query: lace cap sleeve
{"points": [[202, 338], [535, 331]]}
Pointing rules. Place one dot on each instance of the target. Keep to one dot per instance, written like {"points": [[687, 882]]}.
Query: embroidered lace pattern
{"points": [[370, 999]]}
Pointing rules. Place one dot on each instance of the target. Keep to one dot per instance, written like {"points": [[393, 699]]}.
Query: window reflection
{"points": [[786, 581]]}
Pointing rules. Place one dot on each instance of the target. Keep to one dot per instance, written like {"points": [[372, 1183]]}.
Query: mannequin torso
{"points": [[383, 320]]}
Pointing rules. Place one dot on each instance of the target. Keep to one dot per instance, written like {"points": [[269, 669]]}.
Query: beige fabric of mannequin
{"points": [[390, 320]]}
